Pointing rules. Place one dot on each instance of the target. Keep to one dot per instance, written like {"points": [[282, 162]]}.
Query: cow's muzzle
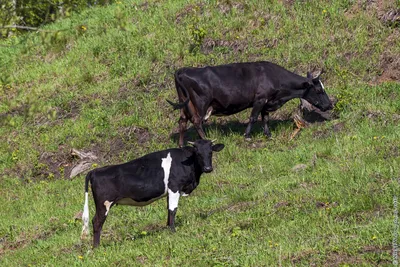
{"points": [[207, 169]]}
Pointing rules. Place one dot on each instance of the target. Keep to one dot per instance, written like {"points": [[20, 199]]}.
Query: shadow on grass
{"points": [[232, 127]]}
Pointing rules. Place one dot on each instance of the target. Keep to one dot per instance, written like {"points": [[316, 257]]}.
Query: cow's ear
{"points": [[218, 147], [307, 84]]}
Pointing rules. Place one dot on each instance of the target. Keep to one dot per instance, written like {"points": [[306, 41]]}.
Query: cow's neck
{"points": [[197, 169], [294, 89]]}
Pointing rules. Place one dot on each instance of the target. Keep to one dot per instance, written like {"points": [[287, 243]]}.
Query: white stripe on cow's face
{"points": [[173, 199], [166, 165], [323, 88], [108, 205]]}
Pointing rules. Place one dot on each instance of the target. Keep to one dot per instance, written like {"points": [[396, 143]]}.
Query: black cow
{"points": [[229, 89], [172, 173]]}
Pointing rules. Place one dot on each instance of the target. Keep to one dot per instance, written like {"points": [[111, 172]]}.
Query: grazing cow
{"points": [[228, 89], [172, 173]]}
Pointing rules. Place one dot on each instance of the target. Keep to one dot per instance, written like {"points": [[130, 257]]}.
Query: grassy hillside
{"points": [[99, 85]]}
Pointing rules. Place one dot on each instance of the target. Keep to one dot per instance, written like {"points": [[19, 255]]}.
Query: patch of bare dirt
{"points": [[320, 134], [326, 205], [391, 152], [308, 185], [71, 111], [303, 255], [256, 144], [376, 249], [390, 66], [325, 133], [210, 44], [54, 164], [288, 3], [388, 13], [341, 258], [362, 216], [141, 259], [281, 204], [23, 240], [62, 163], [382, 9], [151, 228], [299, 167], [338, 127], [16, 111], [227, 5], [140, 134]]}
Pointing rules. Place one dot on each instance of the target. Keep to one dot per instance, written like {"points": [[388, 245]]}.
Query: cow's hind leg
{"points": [[98, 220], [182, 127], [172, 199], [265, 119], [257, 107]]}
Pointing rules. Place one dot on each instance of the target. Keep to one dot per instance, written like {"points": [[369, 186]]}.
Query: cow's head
{"points": [[315, 93], [203, 150]]}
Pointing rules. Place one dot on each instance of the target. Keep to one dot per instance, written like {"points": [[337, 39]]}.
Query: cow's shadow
{"points": [[232, 127]]}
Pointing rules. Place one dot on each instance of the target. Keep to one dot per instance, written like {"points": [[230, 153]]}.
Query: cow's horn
{"points": [[213, 141], [191, 143], [317, 74]]}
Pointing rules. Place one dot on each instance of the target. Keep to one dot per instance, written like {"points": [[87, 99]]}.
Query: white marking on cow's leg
{"points": [[208, 114], [85, 217], [323, 88], [166, 165], [108, 205], [184, 194], [173, 199]]}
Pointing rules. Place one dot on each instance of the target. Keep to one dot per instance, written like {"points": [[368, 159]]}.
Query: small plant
{"points": [[197, 34], [345, 99]]}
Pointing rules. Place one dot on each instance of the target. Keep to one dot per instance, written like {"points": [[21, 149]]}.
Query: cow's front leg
{"points": [[265, 119], [173, 199], [257, 107], [182, 128], [198, 124]]}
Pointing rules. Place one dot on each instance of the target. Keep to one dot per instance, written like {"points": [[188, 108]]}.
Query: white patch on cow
{"points": [[323, 88], [173, 199], [209, 111], [108, 205], [166, 165], [131, 202], [266, 101], [85, 217], [184, 195]]}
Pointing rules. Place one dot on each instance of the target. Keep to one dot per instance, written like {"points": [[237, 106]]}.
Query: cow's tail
{"points": [[85, 214], [185, 92]]}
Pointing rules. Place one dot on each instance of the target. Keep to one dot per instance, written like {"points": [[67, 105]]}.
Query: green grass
{"points": [[103, 89]]}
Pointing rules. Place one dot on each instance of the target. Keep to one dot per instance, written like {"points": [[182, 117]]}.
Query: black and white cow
{"points": [[172, 173], [228, 89]]}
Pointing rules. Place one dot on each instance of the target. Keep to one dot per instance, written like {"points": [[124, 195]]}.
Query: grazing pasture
{"points": [[100, 85]]}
